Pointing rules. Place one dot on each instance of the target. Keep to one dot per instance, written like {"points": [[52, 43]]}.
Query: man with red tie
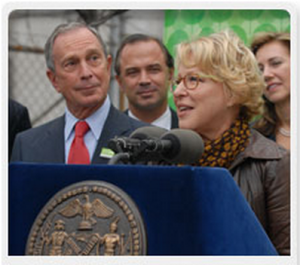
{"points": [[78, 68]]}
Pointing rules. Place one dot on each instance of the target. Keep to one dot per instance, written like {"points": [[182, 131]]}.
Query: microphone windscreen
{"points": [[187, 146], [148, 132]]}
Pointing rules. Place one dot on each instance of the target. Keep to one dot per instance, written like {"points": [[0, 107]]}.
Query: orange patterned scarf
{"points": [[223, 151]]}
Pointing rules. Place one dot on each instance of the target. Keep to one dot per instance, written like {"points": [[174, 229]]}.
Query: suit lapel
{"points": [[115, 125], [174, 120]]}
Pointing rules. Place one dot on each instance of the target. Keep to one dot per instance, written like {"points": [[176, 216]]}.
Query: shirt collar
{"points": [[163, 121], [95, 121]]}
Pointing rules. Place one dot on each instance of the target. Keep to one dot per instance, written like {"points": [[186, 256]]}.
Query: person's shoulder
{"points": [[259, 138], [14, 103], [265, 148], [132, 122], [41, 129], [137, 124], [122, 119], [15, 107], [265, 128]]}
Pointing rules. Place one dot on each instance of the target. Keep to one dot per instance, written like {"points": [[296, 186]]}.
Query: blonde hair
{"points": [[224, 56]]}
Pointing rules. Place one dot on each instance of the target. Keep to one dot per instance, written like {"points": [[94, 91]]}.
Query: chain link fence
{"points": [[29, 85]]}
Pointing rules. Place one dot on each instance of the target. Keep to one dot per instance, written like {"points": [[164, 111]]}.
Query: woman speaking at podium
{"points": [[218, 90]]}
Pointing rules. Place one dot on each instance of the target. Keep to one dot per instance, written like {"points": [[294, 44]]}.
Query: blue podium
{"points": [[186, 210]]}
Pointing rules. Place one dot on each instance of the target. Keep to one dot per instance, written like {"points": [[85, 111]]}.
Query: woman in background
{"points": [[272, 51], [217, 92]]}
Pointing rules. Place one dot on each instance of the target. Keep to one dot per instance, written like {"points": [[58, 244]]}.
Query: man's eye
{"points": [[94, 57], [69, 64], [131, 72], [155, 70]]}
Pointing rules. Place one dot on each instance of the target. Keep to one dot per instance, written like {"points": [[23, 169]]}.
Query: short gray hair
{"points": [[63, 28]]}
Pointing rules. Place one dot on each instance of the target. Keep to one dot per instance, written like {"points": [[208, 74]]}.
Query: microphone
{"points": [[182, 146], [133, 142], [148, 132], [137, 149], [157, 144]]}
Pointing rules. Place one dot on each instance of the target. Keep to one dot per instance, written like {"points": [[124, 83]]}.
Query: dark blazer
{"points": [[174, 121], [174, 118], [18, 121], [45, 144]]}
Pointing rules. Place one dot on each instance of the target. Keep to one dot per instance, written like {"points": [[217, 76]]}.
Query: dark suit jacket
{"points": [[174, 118], [45, 144], [174, 121], [18, 121]]}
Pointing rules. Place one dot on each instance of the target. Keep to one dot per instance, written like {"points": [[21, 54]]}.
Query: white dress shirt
{"points": [[164, 121], [95, 121]]}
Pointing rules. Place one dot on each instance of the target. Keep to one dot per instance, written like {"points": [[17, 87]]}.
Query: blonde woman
{"points": [[217, 92], [272, 51]]}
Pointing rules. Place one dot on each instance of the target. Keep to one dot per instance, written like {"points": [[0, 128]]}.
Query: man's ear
{"points": [[171, 74], [53, 79], [109, 62], [119, 80]]}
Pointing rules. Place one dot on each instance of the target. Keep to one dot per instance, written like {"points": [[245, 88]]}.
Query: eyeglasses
{"points": [[191, 81]]}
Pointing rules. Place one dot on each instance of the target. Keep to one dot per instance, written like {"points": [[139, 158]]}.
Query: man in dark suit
{"points": [[79, 69], [18, 121], [144, 70]]}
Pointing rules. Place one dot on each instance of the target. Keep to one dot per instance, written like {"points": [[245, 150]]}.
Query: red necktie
{"points": [[79, 154]]}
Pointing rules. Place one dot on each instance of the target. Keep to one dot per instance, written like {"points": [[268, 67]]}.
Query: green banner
{"points": [[184, 25]]}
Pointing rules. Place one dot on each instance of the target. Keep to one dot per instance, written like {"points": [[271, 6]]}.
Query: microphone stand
{"points": [[124, 157]]}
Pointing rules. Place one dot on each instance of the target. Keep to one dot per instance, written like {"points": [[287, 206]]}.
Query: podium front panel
{"points": [[186, 210]]}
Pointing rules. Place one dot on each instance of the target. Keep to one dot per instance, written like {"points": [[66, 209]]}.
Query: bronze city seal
{"points": [[88, 218]]}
